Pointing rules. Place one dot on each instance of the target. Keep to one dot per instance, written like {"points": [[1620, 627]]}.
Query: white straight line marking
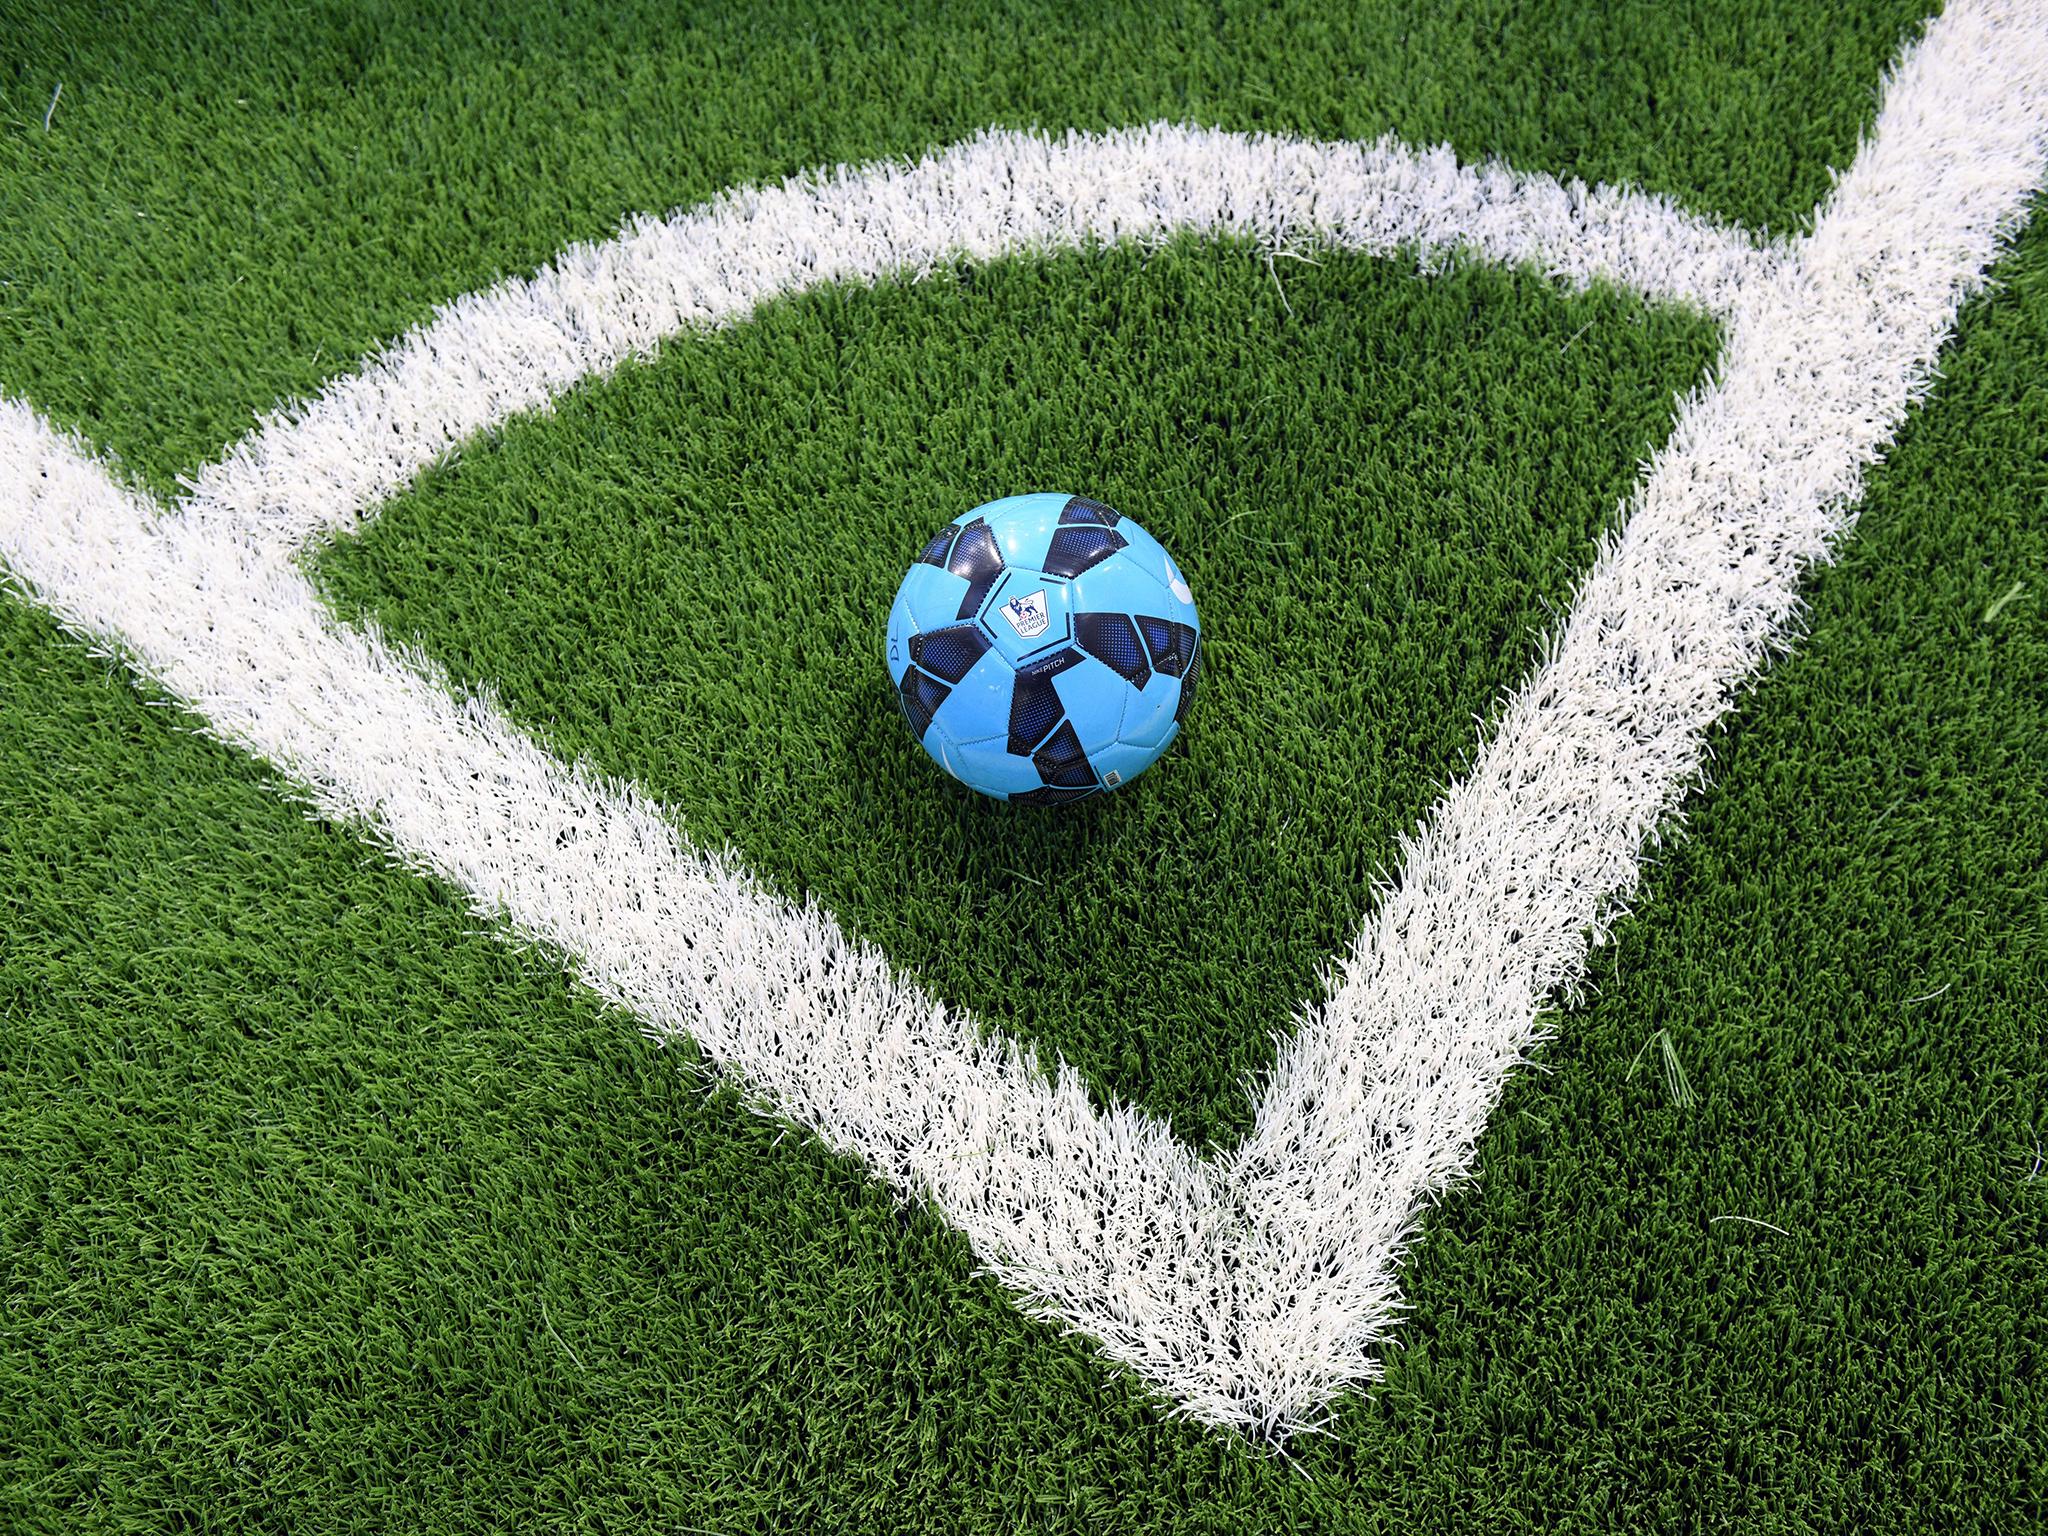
{"points": [[1248, 1288]]}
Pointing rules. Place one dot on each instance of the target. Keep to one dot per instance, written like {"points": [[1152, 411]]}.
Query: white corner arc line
{"points": [[1248, 1288], [321, 468]]}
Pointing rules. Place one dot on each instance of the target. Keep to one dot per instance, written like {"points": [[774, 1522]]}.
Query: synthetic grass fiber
{"points": [[1373, 514], [323, 1209]]}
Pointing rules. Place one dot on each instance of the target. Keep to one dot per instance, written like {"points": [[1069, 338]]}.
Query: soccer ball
{"points": [[1044, 648]]}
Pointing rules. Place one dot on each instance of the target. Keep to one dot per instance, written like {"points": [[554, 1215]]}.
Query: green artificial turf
{"points": [[1380, 487], [232, 203], [327, 1211], [321, 1209]]}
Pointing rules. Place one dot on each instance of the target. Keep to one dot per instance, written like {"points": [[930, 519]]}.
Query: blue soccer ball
{"points": [[1044, 648]]}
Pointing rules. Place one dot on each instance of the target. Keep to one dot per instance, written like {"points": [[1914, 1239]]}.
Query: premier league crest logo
{"points": [[1027, 614]]}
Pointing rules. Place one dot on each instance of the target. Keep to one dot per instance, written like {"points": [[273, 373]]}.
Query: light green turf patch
{"points": [[231, 204], [682, 575]]}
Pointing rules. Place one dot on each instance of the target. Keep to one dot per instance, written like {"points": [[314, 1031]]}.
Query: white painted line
{"points": [[1377, 1102], [492, 355], [1248, 1288]]}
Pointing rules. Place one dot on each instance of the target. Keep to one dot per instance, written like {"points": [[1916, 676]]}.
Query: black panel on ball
{"points": [[1187, 685], [921, 697], [1079, 509], [949, 652], [1075, 550], [977, 558], [1112, 640], [1061, 762], [1049, 796], [1172, 644], [1035, 706]]}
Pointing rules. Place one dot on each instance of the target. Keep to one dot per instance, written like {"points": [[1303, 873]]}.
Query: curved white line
{"points": [[509, 349], [1248, 1288]]}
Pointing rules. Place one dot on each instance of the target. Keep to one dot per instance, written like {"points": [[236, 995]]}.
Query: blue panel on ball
{"points": [[930, 597], [896, 642], [1024, 525], [1149, 716], [979, 706], [1146, 552], [1095, 699], [984, 765], [1117, 586]]}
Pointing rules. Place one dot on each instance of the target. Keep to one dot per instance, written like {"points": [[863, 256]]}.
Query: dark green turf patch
{"points": [[232, 203], [682, 574]]}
